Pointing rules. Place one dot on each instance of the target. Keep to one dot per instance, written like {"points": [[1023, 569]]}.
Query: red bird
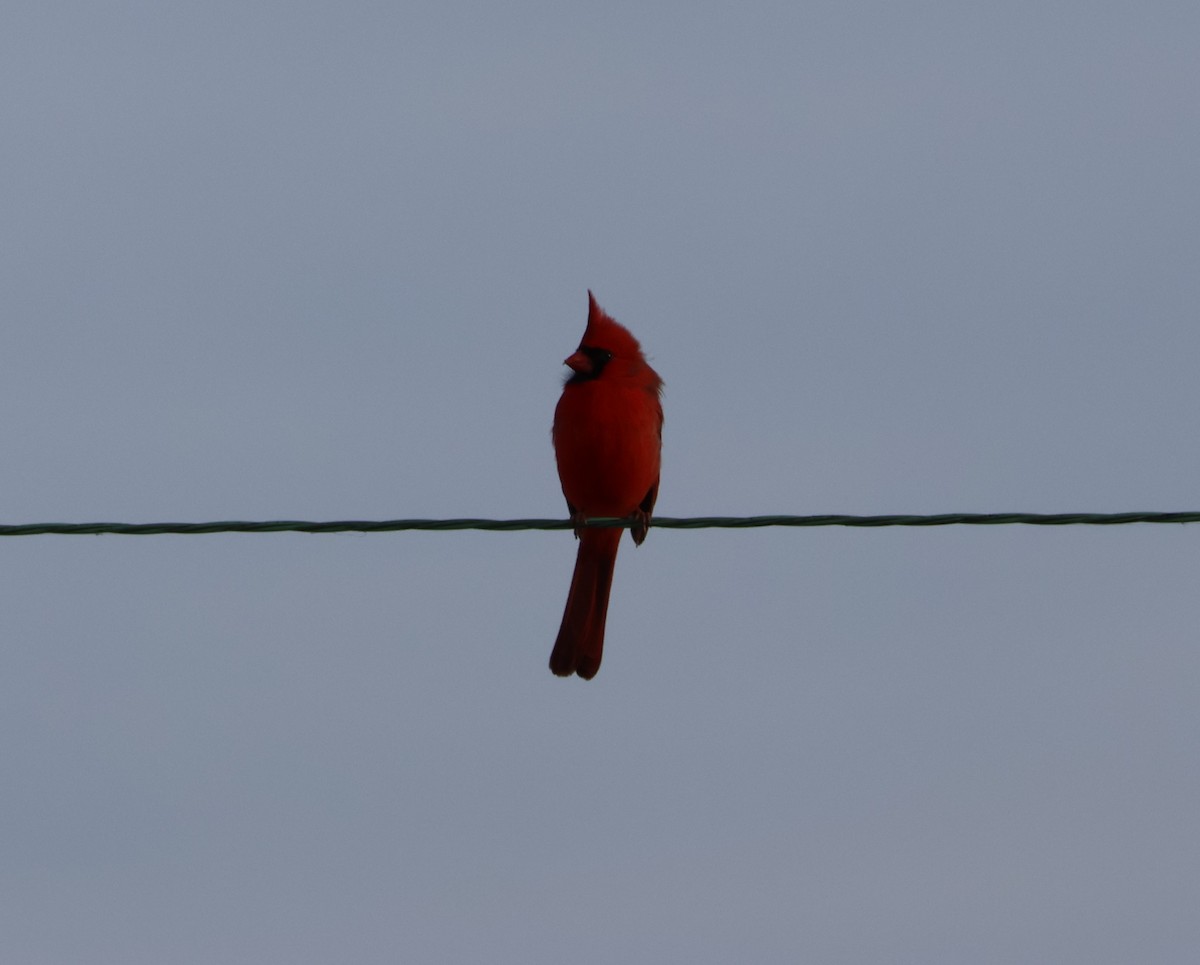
{"points": [[607, 441]]}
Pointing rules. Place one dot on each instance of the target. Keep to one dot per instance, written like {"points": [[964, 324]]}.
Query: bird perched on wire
{"points": [[607, 442]]}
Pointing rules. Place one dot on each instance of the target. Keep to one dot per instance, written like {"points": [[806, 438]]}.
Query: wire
{"points": [[660, 522]]}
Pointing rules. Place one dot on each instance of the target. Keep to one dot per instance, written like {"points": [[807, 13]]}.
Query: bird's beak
{"points": [[578, 363]]}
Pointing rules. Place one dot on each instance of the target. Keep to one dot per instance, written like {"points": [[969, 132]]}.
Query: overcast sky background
{"points": [[322, 261]]}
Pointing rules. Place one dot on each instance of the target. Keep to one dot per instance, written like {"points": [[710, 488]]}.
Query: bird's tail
{"points": [[580, 642]]}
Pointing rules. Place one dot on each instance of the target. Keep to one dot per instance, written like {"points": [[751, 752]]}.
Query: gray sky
{"points": [[323, 261]]}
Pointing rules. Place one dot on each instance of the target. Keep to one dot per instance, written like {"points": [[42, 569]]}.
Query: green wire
{"points": [[660, 522]]}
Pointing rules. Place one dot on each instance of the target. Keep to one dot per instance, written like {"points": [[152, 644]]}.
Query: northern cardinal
{"points": [[607, 441]]}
